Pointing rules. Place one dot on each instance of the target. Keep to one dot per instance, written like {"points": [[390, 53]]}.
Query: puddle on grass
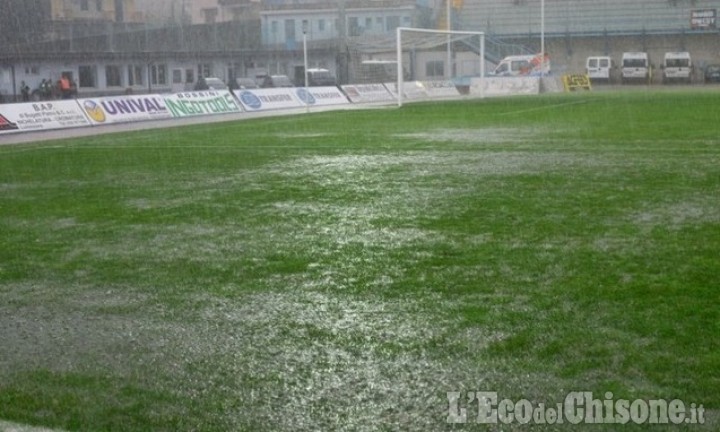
{"points": [[677, 215], [473, 136]]}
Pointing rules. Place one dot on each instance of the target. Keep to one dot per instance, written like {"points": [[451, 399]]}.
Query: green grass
{"points": [[345, 270]]}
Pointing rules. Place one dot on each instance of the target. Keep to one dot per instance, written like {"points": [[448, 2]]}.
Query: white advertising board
{"points": [[268, 99], [444, 88], [196, 103], [320, 96], [41, 116], [505, 86], [122, 109], [360, 93], [411, 90]]}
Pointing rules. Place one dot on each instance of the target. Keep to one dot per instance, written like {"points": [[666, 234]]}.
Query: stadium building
{"points": [[111, 47]]}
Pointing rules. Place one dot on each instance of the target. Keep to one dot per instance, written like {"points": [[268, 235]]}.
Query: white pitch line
{"points": [[546, 107], [15, 427]]}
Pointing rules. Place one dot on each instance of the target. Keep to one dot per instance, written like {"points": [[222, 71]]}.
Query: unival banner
{"points": [[122, 109]]}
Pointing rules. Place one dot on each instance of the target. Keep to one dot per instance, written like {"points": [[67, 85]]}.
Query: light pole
{"points": [[542, 38], [449, 28], [305, 66]]}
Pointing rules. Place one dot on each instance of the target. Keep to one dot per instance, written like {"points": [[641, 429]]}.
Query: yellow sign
{"points": [[576, 82]]}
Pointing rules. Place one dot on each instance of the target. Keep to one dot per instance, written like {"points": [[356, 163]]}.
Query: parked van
{"points": [[677, 66], [636, 67], [523, 65], [599, 68], [320, 77]]}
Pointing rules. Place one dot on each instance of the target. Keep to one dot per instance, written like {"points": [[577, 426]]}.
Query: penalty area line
{"points": [[560, 105]]}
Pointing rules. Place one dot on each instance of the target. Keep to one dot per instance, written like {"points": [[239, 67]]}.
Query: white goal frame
{"points": [[400, 70]]}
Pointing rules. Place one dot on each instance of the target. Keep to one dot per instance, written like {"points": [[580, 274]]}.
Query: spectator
{"points": [[25, 92], [65, 88], [201, 84]]}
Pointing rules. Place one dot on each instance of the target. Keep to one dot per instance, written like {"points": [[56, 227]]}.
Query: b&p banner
{"points": [[41, 116]]}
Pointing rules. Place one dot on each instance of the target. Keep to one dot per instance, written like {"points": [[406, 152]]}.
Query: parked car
{"points": [[321, 77], [636, 67], [215, 84], [599, 68], [677, 66], [276, 81], [245, 83], [711, 74]]}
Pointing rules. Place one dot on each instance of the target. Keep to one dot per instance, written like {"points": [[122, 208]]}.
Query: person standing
{"points": [[65, 88], [25, 92]]}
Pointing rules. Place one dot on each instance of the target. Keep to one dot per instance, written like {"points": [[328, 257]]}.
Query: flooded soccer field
{"points": [[357, 270]]}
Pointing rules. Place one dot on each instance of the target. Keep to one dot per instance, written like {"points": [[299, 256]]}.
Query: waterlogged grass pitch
{"points": [[344, 271]]}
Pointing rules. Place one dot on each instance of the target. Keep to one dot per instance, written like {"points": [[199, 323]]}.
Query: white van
{"points": [[523, 65], [636, 67], [677, 66], [599, 68]]}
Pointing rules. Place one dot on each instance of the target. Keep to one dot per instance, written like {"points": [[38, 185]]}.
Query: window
{"points": [[98, 5], [523, 66], [158, 74], [113, 77], [210, 15], [32, 70], [135, 75], [321, 25], [119, 11], [290, 33], [177, 76], [379, 22], [189, 76], [305, 26], [204, 70], [88, 76], [368, 23], [84, 5], [392, 22], [354, 27], [435, 68]]}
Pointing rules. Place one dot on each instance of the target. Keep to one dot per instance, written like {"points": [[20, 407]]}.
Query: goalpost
{"points": [[446, 54]]}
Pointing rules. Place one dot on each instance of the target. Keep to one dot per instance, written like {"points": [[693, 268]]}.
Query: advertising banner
{"points": [[440, 88], [122, 109], [268, 99], [703, 19], [41, 116], [360, 93], [320, 96], [505, 86], [411, 90], [196, 103]]}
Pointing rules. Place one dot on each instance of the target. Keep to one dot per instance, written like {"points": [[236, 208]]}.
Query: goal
{"points": [[437, 58]]}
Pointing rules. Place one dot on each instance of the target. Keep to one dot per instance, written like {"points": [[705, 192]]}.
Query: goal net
{"points": [[422, 63]]}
